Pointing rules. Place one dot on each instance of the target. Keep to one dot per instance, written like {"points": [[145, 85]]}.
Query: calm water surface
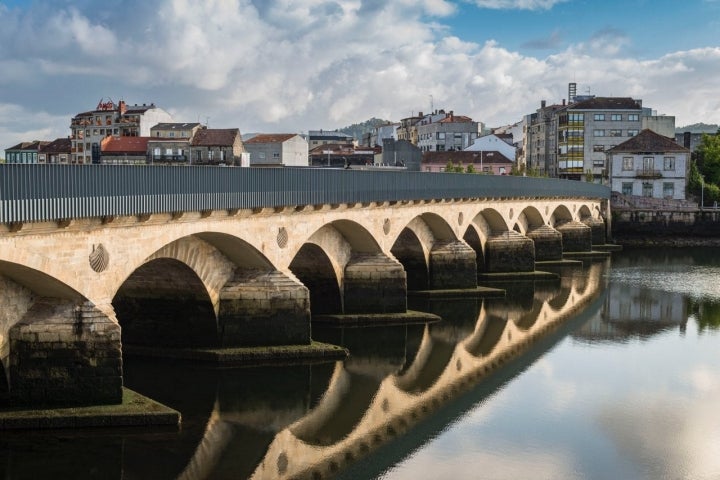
{"points": [[611, 373]]}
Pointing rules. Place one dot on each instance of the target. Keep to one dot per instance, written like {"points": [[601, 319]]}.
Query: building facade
{"points": [[218, 146], [88, 129], [446, 134], [57, 151], [493, 142], [24, 152], [317, 138], [274, 150], [649, 165], [487, 162]]}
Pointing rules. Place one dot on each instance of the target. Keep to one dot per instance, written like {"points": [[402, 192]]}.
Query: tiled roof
{"points": [[456, 119], [607, 103], [34, 145], [216, 137], [270, 138], [137, 145], [465, 157], [175, 126], [59, 145], [648, 141]]}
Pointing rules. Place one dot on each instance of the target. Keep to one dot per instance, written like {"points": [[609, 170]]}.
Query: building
{"points": [[24, 152], [281, 149], [380, 133], [317, 138], [540, 139], [399, 153], [170, 142], [57, 151], [124, 150], [448, 133], [407, 130], [649, 165], [494, 142], [487, 162], [88, 129], [342, 155], [218, 146]]}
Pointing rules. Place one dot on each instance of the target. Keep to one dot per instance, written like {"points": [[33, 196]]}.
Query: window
{"points": [[276, 155], [171, 134], [441, 135], [627, 163], [648, 163], [668, 189], [599, 163], [156, 152], [669, 163], [440, 148], [616, 117], [647, 189], [598, 148], [633, 117], [615, 133], [598, 133], [627, 188], [211, 155], [599, 117], [632, 133], [576, 117], [168, 151]]}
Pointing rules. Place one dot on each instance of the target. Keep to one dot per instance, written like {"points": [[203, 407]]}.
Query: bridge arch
{"points": [[560, 215], [529, 218]]}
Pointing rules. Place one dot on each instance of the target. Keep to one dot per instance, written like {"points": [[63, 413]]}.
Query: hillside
{"points": [[358, 129], [698, 128]]}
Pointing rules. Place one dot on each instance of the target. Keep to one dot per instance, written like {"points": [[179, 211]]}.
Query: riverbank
{"points": [[661, 241]]}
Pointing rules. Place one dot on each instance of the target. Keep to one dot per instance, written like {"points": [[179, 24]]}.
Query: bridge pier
{"points": [[62, 353], [374, 283], [509, 251], [597, 227], [548, 243], [263, 308], [452, 265], [576, 237]]}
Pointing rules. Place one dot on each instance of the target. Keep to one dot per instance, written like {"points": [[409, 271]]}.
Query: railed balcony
{"points": [[648, 173]]}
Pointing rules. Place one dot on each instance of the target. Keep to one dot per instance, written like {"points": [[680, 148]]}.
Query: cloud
{"points": [[290, 66], [518, 4], [551, 42]]}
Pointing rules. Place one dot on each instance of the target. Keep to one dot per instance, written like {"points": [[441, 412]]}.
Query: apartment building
{"points": [[324, 137], [24, 152], [88, 129], [447, 133]]}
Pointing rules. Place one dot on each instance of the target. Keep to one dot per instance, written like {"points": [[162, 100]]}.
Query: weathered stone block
{"points": [[548, 243], [452, 265], [597, 227], [510, 252], [577, 237], [374, 284]]}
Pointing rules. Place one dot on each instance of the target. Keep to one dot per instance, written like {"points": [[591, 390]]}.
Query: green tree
{"points": [[449, 166], [459, 168], [708, 154], [470, 168]]}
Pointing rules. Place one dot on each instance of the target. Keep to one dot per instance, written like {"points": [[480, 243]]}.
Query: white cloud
{"points": [[518, 4], [305, 64]]}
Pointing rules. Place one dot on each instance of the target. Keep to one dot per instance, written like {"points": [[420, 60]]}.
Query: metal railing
{"points": [[32, 193]]}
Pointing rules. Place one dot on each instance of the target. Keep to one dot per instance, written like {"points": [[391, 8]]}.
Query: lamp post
{"points": [[702, 192]]}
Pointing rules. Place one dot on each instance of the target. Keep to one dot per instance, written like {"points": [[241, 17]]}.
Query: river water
{"points": [[613, 372]]}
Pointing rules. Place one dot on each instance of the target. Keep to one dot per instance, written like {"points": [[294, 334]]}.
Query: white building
{"points": [[282, 149], [492, 143], [649, 165]]}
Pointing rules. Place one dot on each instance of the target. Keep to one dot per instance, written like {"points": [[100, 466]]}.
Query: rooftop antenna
{"points": [[207, 119]]}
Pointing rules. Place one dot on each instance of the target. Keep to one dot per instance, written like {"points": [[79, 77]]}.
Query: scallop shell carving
{"points": [[99, 258]]}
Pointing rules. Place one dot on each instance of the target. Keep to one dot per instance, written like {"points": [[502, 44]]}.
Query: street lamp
{"points": [[702, 192]]}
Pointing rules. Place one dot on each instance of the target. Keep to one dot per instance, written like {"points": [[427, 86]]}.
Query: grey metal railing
{"points": [[31, 193]]}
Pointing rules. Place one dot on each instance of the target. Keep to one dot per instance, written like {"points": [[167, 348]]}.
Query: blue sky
{"points": [[296, 65]]}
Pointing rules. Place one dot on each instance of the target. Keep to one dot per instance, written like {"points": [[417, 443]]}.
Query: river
{"points": [[612, 372]]}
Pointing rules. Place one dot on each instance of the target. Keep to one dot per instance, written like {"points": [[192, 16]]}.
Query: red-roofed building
{"points": [[124, 150], [277, 149]]}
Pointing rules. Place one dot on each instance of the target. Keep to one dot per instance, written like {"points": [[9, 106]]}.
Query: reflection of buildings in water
{"points": [[635, 312], [440, 371]]}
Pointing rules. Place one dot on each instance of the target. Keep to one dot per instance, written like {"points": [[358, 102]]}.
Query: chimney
{"points": [[563, 102], [542, 103], [420, 114], [122, 107]]}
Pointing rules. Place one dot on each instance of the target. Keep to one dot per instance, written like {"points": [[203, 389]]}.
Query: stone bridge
{"points": [[245, 261]]}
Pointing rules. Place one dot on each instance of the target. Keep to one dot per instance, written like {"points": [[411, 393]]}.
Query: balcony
{"points": [[169, 158], [648, 173]]}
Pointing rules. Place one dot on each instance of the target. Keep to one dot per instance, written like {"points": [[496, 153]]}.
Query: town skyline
{"points": [[292, 67]]}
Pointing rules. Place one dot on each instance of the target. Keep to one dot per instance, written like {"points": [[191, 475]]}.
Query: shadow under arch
{"points": [[584, 212], [413, 245], [560, 215], [529, 218], [164, 303], [313, 268]]}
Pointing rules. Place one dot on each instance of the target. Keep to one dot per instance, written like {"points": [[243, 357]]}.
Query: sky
{"points": [[289, 66]]}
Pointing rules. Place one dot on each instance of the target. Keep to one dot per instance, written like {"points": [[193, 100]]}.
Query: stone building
{"points": [[649, 165], [218, 146], [57, 151]]}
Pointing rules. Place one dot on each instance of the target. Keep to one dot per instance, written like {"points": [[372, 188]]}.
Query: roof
{"points": [[607, 103], [464, 156], [648, 141], [29, 146], [215, 137], [59, 145], [270, 138], [327, 134], [132, 145], [456, 119], [175, 126]]}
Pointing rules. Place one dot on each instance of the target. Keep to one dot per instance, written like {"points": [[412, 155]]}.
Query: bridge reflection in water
{"points": [[316, 421], [394, 378]]}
